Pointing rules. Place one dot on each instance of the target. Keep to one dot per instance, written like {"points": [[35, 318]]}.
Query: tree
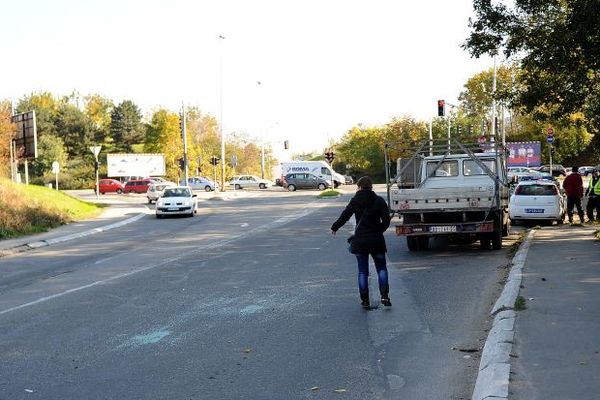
{"points": [[557, 44], [45, 106], [75, 129], [126, 127], [362, 148], [164, 136], [50, 148], [98, 109], [7, 130]]}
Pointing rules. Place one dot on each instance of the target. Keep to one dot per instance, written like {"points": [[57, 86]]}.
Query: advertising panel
{"points": [[144, 165], [524, 154]]}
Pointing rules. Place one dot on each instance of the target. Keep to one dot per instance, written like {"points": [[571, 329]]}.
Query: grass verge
{"points": [[28, 209], [329, 193], [520, 303]]}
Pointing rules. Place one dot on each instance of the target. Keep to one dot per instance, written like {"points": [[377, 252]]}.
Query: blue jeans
{"points": [[363, 274]]}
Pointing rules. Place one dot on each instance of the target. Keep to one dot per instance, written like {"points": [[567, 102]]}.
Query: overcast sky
{"points": [[323, 66]]}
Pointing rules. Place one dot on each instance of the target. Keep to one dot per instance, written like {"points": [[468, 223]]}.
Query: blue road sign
{"points": [[550, 139]]}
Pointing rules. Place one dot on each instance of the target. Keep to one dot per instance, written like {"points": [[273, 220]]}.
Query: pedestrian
{"points": [[372, 220], [593, 194], [573, 185]]}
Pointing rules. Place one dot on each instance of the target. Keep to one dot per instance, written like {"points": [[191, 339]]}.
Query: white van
{"points": [[317, 168]]}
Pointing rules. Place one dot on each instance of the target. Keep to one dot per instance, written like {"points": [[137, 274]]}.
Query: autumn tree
{"points": [[7, 130]]}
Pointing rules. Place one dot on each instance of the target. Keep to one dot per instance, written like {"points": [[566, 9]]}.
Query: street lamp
{"points": [[221, 38]]}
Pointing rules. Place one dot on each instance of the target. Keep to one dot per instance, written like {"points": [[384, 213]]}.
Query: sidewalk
{"points": [[556, 351]]}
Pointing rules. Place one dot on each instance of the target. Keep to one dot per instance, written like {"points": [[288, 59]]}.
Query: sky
{"points": [[304, 71]]}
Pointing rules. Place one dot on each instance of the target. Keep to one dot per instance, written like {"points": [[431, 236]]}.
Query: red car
{"points": [[110, 185], [137, 186]]}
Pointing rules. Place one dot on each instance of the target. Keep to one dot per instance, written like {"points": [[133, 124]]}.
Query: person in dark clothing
{"points": [[372, 220], [593, 193], [573, 185]]}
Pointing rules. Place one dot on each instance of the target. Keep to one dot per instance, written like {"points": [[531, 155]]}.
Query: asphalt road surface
{"points": [[251, 299]]}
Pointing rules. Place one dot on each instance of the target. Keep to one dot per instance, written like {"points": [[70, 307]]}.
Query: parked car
{"points": [[249, 181], [177, 200], [537, 200], [200, 183], [109, 186], [159, 179], [522, 171], [557, 170], [137, 186], [586, 170], [156, 190], [304, 181], [349, 180]]}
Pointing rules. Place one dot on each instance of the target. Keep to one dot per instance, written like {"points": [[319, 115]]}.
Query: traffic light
{"points": [[181, 124], [470, 130], [329, 156], [441, 108], [459, 130], [214, 160], [286, 144], [181, 164]]}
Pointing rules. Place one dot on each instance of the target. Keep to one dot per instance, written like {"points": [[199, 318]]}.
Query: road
{"points": [[251, 299]]}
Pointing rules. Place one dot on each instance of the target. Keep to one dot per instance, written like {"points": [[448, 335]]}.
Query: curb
{"points": [[43, 243], [494, 367]]}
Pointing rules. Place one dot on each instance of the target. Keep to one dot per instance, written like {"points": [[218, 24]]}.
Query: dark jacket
{"points": [[373, 219], [573, 185]]}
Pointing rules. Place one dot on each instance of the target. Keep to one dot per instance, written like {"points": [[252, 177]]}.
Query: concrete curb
{"points": [[494, 368], [43, 243]]}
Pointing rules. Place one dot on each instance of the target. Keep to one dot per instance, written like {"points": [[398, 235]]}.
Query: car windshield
{"points": [[177, 192], [536, 190]]}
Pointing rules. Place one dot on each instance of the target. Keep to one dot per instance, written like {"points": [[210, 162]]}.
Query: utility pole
{"points": [[184, 135]]}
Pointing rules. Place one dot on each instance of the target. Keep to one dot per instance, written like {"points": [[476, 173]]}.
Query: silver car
{"points": [[200, 183], [155, 190]]}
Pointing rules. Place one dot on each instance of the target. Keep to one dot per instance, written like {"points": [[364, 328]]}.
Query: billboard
{"points": [[26, 134], [524, 154], [124, 165]]}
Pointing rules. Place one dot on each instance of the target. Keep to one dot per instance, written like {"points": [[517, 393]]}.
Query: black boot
{"points": [[385, 298], [364, 301]]}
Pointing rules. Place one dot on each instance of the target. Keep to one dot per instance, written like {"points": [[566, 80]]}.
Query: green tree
{"points": [[164, 136], [7, 130], [45, 106], [75, 129], [362, 148], [50, 149], [98, 109], [126, 127]]}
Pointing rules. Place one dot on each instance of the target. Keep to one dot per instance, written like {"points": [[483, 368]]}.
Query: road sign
{"points": [[234, 161], [482, 139], [550, 131], [550, 139], [55, 167]]}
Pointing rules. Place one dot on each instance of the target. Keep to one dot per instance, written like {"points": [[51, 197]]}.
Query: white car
{"points": [[155, 190], [177, 200], [249, 181], [537, 200], [522, 171]]}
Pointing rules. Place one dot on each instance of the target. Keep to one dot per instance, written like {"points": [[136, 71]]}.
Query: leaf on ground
{"points": [[247, 350], [315, 388], [341, 390]]}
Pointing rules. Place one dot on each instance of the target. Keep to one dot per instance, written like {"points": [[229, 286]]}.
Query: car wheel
{"points": [[237, 187], [101, 192], [485, 241], [158, 216], [321, 186], [149, 201], [291, 188], [262, 186], [207, 188], [119, 191]]}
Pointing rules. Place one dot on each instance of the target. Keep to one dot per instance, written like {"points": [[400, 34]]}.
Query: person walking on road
{"points": [[593, 194], [573, 185], [373, 218]]}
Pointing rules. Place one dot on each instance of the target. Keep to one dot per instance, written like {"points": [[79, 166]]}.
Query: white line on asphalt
{"points": [[201, 249]]}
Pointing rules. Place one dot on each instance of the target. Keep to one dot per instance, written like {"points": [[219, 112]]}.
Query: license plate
{"points": [[442, 229], [534, 210], [173, 209]]}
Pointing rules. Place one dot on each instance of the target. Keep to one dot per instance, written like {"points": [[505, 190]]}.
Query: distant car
{"points": [[537, 200], [159, 179], [200, 183], [156, 190], [301, 180], [586, 170], [557, 170], [349, 180], [109, 186], [249, 181], [522, 171], [177, 200], [137, 186]]}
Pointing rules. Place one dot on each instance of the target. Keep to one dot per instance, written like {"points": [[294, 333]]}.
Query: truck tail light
{"points": [[403, 230], [487, 227]]}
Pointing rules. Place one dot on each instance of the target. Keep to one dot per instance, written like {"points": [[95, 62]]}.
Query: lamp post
{"points": [[96, 151], [221, 38]]}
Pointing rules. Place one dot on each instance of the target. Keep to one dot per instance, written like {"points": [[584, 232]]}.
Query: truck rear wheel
{"points": [[497, 240], [485, 241]]}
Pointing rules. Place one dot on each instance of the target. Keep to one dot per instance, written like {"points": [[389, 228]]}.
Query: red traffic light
{"points": [[441, 108]]}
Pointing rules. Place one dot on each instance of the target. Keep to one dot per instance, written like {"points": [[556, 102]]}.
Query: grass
{"points": [[597, 234], [329, 193], [28, 209], [520, 304]]}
